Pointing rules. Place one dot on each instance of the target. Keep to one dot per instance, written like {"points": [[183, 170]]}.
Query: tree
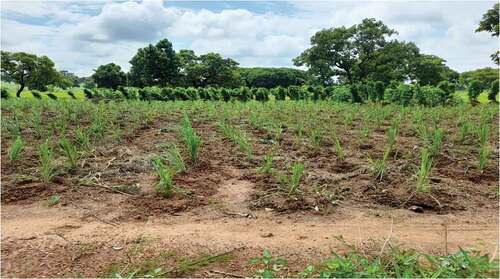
{"points": [[490, 23], [109, 76], [28, 70], [272, 77], [484, 75], [210, 69], [474, 90], [430, 70], [345, 52], [155, 65], [67, 79]]}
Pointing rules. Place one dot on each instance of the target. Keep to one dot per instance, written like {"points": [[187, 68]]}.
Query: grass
{"points": [[292, 182], [47, 168], [424, 171], [267, 166], [70, 151], [15, 149], [239, 137], [174, 157], [484, 150], [165, 186], [338, 146], [191, 139]]}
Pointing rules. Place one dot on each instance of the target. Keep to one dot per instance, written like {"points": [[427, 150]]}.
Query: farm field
{"points": [[198, 188]]}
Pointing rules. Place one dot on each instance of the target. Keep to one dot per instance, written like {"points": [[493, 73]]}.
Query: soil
{"points": [[110, 219]]}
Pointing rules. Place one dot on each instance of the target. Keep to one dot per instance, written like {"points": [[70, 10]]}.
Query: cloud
{"points": [[79, 36]]}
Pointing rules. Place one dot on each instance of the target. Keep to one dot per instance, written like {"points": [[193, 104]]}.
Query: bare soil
{"points": [[110, 219]]}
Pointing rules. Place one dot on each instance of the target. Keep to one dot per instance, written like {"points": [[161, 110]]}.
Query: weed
{"points": [[15, 149], [70, 151], [268, 266], [191, 139], [53, 200], [424, 171], [47, 169]]}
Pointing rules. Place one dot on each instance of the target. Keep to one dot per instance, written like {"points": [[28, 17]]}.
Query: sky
{"points": [[81, 35]]}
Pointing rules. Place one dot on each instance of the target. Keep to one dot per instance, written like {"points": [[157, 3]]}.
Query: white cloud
{"points": [[79, 36]]}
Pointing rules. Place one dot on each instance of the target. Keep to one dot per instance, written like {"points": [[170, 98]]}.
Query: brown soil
{"points": [[110, 216]]}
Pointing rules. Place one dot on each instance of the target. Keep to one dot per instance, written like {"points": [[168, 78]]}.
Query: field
{"points": [[198, 188]]}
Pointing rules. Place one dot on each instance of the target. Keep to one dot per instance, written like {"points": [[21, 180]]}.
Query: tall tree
{"points": [[490, 23], [28, 70], [109, 76], [155, 65], [210, 69], [345, 52], [430, 70]]}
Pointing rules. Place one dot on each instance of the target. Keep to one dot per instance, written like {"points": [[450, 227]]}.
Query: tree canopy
{"points": [[109, 76], [154, 65], [490, 23], [273, 77], [28, 70]]}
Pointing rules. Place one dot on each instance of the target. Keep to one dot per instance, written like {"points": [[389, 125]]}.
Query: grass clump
{"points": [[70, 151], [15, 149], [292, 182], [338, 146], [267, 166], [424, 171], [174, 157], [191, 139], [484, 149], [237, 136], [47, 168], [165, 186]]}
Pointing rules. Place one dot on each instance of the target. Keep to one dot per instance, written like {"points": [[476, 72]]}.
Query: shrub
{"points": [[341, 93], [401, 95], [71, 94], [36, 94], [4, 93], [52, 96], [280, 93], [294, 93], [88, 93], [474, 89], [431, 96], [355, 93], [493, 91], [262, 95], [379, 88]]}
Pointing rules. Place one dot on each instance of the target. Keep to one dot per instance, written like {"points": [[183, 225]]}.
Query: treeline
{"points": [[397, 93]]}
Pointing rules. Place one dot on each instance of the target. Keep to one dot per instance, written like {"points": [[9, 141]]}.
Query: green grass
{"points": [[58, 92], [482, 98]]}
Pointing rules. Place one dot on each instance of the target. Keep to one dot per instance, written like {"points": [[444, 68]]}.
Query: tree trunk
{"points": [[18, 93]]}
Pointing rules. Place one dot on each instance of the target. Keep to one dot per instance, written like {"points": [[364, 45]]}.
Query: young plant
{"points": [[165, 186], [174, 157], [15, 149], [338, 146], [83, 139], [47, 168], [316, 139], [379, 167], [238, 137], [267, 167], [424, 171], [191, 139], [292, 182], [70, 151], [437, 142], [484, 150], [267, 265]]}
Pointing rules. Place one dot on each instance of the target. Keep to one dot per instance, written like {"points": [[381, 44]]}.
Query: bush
{"points": [[493, 91], [5, 94], [431, 96], [379, 90], [401, 95], [294, 93], [88, 93], [52, 96], [262, 95], [475, 88], [355, 93], [341, 93]]}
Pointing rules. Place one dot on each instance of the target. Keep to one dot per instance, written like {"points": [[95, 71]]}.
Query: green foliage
{"points": [[4, 93], [47, 168], [174, 157], [272, 77], [53, 200], [493, 91], [474, 89], [237, 136], [109, 76], [83, 139], [490, 24], [424, 171], [166, 185], [267, 265], [70, 151], [401, 95], [338, 146], [293, 181], [484, 150], [191, 139], [267, 166], [52, 96], [15, 149]]}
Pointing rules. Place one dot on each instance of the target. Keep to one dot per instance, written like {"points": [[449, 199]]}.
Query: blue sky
{"points": [[81, 35]]}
